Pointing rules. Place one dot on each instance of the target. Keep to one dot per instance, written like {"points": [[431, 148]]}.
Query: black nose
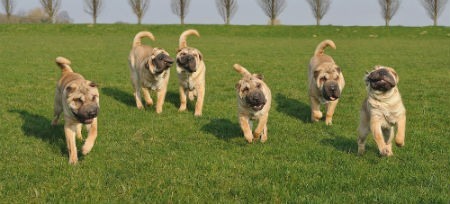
{"points": [[92, 113], [333, 87]]}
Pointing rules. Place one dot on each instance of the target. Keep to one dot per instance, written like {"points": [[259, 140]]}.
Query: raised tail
{"points": [[184, 35], [320, 49], [241, 69], [64, 63], [140, 35]]}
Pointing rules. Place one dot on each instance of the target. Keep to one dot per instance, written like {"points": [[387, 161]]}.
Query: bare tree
{"points": [[434, 8], [51, 7], [227, 9], [139, 8], [93, 8], [272, 8], [388, 9], [8, 5], [180, 8], [319, 8]]}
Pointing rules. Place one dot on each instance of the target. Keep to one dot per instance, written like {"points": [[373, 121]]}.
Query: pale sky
{"points": [[297, 12]]}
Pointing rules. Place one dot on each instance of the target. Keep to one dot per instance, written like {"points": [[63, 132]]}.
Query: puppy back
{"points": [[184, 35], [137, 39], [320, 49], [64, 63]]}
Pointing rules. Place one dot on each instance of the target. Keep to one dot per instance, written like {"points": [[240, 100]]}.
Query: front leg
{"points": [[401, 126], [316, 114], [331, 106], [92, 136], [375, 126], [147, 97], [246, 129], [200, 99], [161, 97], [70, 131], [261, 129], [182, 99]]}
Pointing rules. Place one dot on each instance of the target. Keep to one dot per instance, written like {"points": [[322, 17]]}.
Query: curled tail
{"points": [[64, 63], [241, 69], [140, 35], [184, 35], [320, 49]]}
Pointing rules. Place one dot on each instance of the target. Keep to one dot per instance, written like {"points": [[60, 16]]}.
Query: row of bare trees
{"points": [[227, 8]]}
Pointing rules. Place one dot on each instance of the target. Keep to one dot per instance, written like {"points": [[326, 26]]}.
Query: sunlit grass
{"points": [[175, 157]]}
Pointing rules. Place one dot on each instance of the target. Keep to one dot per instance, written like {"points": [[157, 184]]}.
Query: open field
{"points": [[174, 157]]}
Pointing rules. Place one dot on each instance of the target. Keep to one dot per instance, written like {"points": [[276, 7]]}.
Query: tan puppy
{"points": [[149, 69], [382, 110], [78, 99], [325, 82], [254, 100], [191, 73]]}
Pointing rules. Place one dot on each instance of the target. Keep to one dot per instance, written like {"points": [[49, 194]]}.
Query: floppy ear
{"points": [[71, 88], [146, 65], [200, 56], [259, 76], [395, 75], [237, 86], [316, 74], [93, 84]]}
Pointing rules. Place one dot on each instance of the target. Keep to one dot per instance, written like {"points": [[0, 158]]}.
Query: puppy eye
{"points": [[258, 86], [245, 89], [94, 97], [78, 100], [323, 79]]}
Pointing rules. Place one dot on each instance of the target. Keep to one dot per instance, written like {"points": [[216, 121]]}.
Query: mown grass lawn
{"points": [[175, 157]]}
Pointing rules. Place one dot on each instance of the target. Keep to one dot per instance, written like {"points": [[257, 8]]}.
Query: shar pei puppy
{"points": [[326, 82], [254, 101], [382, 111], [78, 99]]}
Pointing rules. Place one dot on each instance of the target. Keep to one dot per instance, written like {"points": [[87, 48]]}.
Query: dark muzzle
{"points": [[256, 100]]}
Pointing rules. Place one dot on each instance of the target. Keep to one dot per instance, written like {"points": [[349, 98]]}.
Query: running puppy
{"points": [[381, 111], [254, 100], [325, 82], [191, 73], [78, 99], [149, 69]]}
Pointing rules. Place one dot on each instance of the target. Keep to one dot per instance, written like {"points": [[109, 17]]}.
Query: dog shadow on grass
{"points": [[126, 98], [40, 127], [293, 107], [223, 129]]}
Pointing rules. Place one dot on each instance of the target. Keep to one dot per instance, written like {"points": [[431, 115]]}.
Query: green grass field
{"points": [[177, 158]]}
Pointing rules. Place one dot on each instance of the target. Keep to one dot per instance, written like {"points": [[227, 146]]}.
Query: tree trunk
{"points": [[318, 21]]}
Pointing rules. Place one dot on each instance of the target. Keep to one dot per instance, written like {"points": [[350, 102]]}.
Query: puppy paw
{"points": [[361, 151], [386, 152], [54, 122], [198, 114], [73, 161], [400, 143], [328, 121]]}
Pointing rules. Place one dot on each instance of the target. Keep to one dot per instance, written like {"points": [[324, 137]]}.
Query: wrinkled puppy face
{"points": [[83, 101], [159, 61], [250, 91], [382, 79], [188, 59], [327, 78]]}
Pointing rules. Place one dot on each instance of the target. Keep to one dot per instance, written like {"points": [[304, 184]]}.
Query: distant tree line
{"points": [[49, 13]]}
